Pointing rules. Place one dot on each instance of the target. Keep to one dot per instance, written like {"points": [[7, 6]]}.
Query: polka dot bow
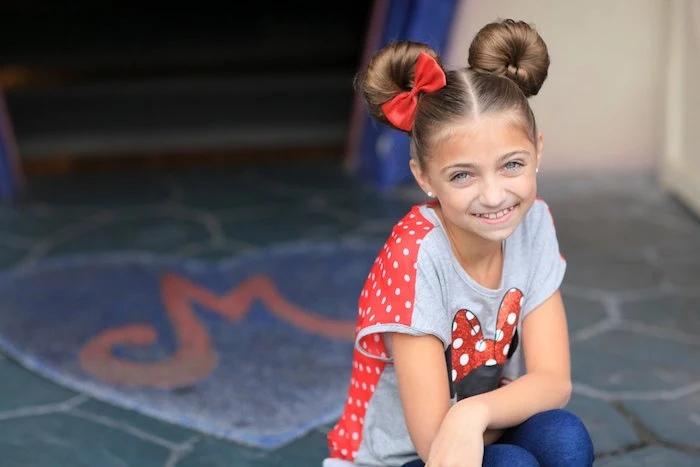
{"points": [[428, 77]]}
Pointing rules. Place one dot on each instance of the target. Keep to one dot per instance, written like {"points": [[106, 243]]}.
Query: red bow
{"points": [[428, 77]]}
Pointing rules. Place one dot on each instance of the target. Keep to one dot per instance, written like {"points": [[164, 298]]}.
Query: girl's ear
{"points": [[420, 176], [540, 145]]}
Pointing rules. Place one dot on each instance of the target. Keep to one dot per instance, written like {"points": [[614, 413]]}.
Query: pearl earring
{"points": [[537, 170], [430, 194]]}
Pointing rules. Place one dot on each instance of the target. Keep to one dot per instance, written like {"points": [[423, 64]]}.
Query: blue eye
{"points": [[460, 177], [513, 165]]}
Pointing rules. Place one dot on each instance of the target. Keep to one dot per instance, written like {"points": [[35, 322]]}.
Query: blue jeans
{"points": [[556, 438]]}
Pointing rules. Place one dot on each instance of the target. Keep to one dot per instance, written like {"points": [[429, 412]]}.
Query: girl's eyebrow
{"points": [[472, 166]]}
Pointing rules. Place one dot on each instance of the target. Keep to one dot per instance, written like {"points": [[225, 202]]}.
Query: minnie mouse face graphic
{"points": [[475, 361]]}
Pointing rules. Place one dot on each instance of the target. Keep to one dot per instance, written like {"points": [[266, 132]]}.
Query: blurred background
{"points": [[144, 79], [225, 149]]}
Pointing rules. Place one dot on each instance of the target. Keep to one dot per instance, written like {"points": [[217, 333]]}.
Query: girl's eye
{"points": [[460, 177], [513, 165]]}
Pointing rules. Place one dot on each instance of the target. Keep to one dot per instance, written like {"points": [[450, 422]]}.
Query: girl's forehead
{"points": [[483, 138]]}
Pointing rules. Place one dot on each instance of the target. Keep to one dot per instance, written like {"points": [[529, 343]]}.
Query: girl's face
{"points": [[483, 175]]}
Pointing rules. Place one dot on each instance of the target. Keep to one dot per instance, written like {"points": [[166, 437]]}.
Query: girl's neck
{"points": [[481, 259]]}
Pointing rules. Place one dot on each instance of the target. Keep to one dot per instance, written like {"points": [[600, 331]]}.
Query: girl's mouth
{"points": [[498, 216]]}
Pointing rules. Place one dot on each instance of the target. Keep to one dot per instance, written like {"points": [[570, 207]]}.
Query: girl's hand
{"points": [[460, 439]]}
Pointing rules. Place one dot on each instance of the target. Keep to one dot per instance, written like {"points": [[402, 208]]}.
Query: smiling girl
{"points": [[461, 355]]}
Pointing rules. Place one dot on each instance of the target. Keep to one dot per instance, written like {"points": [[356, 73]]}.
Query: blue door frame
{"points": [[377, 153], [11, 178]]}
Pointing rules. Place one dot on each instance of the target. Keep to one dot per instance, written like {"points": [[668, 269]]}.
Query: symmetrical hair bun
{"points": [[507, 49], [512, 49], [391, 72]]}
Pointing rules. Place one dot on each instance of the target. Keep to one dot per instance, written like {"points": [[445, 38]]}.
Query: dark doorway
{"points": [[95, 81]]}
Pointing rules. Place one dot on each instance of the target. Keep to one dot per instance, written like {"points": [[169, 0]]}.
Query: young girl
{"points": [[465, 291]]}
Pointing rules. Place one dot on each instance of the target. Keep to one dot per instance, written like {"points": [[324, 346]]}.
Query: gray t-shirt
{"points": [[417, 286]]}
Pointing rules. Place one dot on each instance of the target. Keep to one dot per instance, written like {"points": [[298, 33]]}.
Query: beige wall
{"points": [[602, 105], [680, 164], [691, 84]]}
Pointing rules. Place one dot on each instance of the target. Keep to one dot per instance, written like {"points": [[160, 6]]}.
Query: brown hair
{"points": [[508, 62]]}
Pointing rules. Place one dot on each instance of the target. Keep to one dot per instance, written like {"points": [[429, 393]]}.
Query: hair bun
{"points": [[390, 72], [512, 49]]}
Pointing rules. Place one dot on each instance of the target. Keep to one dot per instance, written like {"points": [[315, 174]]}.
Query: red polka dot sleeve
{"points": [[386, 303], [389, 293]]}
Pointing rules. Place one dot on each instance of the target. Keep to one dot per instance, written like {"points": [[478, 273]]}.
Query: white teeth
{"points": [[496, 215]]}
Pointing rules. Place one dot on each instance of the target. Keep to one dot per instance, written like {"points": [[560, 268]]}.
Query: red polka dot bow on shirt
{"points": [[428, 77]]}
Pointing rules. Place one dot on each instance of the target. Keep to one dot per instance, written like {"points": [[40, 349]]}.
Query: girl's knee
{"points": [[564, 422], [508, 455], [569, 434]]}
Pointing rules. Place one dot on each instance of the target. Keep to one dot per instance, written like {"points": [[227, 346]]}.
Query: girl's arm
{"points": [[421, 373], [547, 382]]}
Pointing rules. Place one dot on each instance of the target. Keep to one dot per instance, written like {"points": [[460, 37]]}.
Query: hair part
{"points": [[508, 63]]}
